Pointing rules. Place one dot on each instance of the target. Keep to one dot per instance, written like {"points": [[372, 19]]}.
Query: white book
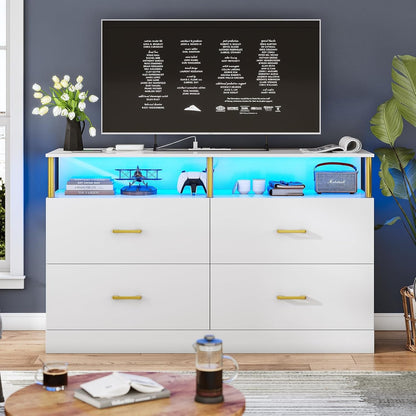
{"points": [[89, 181], [346, 144], [117, 384], [71, 187], [89, 192], [118, 389]]}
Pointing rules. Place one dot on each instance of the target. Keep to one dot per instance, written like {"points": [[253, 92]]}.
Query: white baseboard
{"points": [[37, 321], [389, 322], [24, 321]]}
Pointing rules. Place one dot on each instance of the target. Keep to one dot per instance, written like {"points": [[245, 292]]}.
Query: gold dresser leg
{"points": [[368, 175], [210, 178], [51, 177]]}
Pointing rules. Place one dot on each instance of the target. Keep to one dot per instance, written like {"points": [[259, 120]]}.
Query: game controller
{"points": [[192, 179]]}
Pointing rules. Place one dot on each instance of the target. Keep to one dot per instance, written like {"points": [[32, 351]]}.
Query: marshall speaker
{"points": [[335, 181]]}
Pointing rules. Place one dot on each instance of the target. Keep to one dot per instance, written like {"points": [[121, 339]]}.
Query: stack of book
{"points": [[89, 186], [282, 188]]}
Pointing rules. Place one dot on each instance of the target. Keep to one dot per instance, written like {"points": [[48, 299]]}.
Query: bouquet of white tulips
{"points": [[68, 100]]}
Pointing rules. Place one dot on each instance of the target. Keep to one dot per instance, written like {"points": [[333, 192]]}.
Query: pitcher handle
{"points": [[236, 368]]}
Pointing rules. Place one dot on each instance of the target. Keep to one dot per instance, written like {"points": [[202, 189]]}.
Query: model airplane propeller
{"points": [[140, 176]]}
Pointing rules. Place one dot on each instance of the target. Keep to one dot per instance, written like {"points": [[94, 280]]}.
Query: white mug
{"points": [[243, 186], [259, 186]]}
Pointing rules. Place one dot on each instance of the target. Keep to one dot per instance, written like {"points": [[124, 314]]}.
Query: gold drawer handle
{"points": [[116, 231], [291, 231], [116, 297], [301, 297]]}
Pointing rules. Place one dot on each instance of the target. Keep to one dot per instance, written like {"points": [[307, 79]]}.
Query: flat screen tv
{"points": [[211, 76]]}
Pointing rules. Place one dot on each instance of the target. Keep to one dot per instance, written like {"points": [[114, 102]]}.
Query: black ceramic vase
{"points": [[73, 135]]}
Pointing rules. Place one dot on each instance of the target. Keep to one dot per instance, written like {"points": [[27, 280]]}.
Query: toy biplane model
{"points": [[140, 176]]}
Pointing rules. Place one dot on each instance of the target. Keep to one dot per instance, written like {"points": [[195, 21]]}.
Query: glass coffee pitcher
{"points": [[209, 366]]}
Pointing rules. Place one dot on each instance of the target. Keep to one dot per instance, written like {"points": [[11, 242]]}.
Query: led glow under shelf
{"points": [[227, 170], [60, 193], [307, 194], [217, 194]]}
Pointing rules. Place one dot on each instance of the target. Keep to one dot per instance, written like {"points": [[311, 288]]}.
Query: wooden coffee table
{"points": [[35, 401]]}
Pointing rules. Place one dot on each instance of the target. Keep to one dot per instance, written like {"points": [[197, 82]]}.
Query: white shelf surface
{"points": [[60, 193], [99, 152]]}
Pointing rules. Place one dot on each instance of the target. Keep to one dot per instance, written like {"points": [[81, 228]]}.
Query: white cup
{"points": [[259, 186], [243, 186]]}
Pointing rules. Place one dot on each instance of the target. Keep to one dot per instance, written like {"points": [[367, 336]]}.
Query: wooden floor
{"points": [[23, 350]]}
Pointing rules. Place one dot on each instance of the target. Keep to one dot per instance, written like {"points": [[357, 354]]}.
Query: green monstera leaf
{"points": [[403, 74], [387, 123]]}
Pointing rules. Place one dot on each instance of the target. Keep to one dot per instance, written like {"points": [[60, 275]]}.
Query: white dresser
{"points": [[265, 274]]}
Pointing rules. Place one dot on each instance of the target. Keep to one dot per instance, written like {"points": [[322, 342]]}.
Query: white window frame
{"points": [[12, 269]]}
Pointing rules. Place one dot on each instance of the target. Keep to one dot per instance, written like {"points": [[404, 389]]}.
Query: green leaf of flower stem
{"points": [[391, 221], [387, 123], [396, 156], [403, 74], [386, 180], [88, 119]]}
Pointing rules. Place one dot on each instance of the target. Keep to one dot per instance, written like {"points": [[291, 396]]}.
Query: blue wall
{"points": [[359, 39]]}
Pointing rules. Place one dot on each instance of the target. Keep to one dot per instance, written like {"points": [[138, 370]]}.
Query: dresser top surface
{"points": [[289, 152]]}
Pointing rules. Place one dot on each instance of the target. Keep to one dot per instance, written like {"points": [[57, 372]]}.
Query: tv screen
{"points": [[210, 76]]}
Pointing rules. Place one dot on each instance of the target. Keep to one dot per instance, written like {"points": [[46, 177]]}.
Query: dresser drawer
{"points": [[123, 230], [337, 297], [292, 230], [172, 297]]}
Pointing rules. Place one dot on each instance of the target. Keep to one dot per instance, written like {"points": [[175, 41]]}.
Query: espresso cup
{"points": [[53, 376], [259, 186], [242, 185]]}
